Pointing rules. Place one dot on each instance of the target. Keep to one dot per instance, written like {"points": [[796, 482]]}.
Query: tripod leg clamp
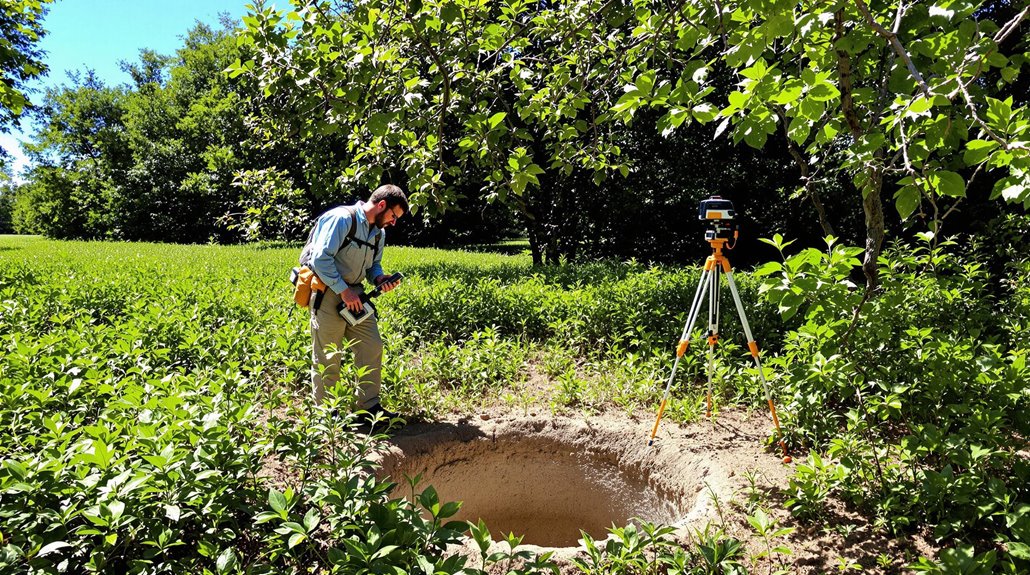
{"points": [[682, 347]]}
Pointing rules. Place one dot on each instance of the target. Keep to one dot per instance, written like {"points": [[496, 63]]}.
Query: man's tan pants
{"points": [[329, 333]]}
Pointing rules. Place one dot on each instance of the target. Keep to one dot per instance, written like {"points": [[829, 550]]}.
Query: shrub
{"points": [[918, 399]]}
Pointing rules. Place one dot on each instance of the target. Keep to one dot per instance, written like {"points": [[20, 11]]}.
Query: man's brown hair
{"points": [[393, 195]]}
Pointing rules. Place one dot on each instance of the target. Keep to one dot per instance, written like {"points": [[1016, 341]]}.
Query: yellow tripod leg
{"points": [[753, 347], [684, 343]]}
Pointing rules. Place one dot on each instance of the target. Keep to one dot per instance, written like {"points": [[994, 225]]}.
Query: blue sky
{"points": [[97, 34]]}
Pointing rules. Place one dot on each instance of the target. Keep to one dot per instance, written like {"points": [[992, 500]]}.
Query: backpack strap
{"points": [[351, 238], [353, 230]]}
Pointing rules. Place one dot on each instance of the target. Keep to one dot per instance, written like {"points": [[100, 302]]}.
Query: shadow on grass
{"points": [[509, 248], [565, 275]]}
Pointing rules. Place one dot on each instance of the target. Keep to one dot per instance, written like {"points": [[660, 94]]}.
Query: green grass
{"points": [[145, 388], [490, 315]]}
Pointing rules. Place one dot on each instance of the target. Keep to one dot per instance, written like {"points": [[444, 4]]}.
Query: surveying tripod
{"points": [[709, 283]]}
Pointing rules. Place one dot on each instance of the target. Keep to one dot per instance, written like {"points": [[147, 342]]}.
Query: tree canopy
{"points": [[21, 58], [526, 97]]}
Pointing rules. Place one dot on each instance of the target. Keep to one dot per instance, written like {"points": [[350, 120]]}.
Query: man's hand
{"points": [[386, 286], [352, 300]]}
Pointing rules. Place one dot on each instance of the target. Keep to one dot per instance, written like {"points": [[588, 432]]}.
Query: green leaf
{"points": [[293, 526], [823, 92], [1019, 550], [496, 119], [705, 112], [379, 123], [919, 106], [949, 184], [760, 521], [999, 113], [449, 509], [978, 150], [937, 11], [645, 82], [15, 468], [799, 129], [226, 562], [1013, 192], [311, 519], [450, 12], [52, 547], [768, 268], [277, 501], [906, 200], [384, 551], [172, 512], [116, 509], [337, 556]]}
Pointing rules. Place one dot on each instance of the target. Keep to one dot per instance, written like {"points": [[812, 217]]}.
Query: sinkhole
{"points": [[549, 478]]}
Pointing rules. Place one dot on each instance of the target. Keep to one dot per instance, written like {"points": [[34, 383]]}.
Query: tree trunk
{"points": [[873, 208], [824, 222], [532, 227], [552, 247], [871, 204]]}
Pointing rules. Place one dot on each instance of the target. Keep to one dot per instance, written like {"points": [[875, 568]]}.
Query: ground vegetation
{"points": [[145, 402]]}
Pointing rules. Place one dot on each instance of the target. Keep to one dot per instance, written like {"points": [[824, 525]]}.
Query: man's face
{"points": [[388, 216]]}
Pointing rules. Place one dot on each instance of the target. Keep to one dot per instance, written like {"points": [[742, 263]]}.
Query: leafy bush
{"points": [[920, 398], [591, 308]]}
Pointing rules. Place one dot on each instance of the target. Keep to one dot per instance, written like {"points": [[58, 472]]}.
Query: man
{"points": [[345, 248]]}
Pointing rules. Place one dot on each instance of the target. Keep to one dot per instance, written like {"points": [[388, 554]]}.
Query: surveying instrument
{"points": [[720, 226]]}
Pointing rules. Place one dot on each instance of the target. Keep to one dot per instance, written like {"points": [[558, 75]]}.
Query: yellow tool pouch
{"points": [[308, 288]]}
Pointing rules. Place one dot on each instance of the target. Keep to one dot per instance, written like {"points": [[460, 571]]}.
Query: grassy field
{"points": [[144, 386]]}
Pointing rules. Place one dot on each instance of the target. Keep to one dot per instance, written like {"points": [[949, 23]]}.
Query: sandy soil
{"points": [[548, 476]]}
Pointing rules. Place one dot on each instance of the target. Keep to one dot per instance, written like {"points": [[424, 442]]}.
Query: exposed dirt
{"points": [[549, 476]]}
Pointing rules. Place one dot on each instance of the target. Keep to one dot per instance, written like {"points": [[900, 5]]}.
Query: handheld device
{"points": [[367, 307]]}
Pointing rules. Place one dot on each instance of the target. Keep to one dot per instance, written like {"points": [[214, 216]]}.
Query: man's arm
{"points": [[329, 235]]}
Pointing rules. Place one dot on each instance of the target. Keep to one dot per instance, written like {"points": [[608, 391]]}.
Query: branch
{"points": [[579, 27], [1002, 34], [895, 43], [497, 52], [898, 17], [972, 111], [847, 102], [806, 177], [1008, 28], [722, 27]]}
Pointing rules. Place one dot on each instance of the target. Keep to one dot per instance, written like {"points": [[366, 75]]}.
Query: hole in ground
{"points": [[548, 479]]}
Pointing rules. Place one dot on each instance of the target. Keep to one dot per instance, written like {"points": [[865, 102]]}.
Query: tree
{"points": [[911, 94], [525, 97], [156, 160], [444, 96], [79, 152], [21, 59], [6, 204]]}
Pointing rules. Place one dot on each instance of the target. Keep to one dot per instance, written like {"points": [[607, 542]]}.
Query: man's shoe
{"points": [[379, 416]]}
